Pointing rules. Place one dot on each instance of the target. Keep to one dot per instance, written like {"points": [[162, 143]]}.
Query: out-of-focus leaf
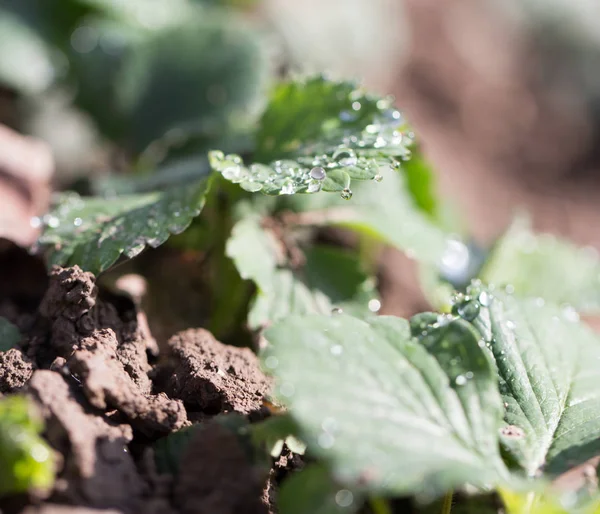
{"points": [[94, 232], [19, 44], [312, 491], [195, 77], [330, 277], [27, 463], [319, 135], [545, 502], [9, 335], [391, 413], [545, 266]]}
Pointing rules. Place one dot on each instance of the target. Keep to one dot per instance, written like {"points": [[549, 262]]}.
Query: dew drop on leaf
{"points": [[346, 194], [336, 349], [344, 498], [337, 311], [460, 380], [374, 305], [378, 178], [271, 362], [317, 173], [468, 310], [485, 299], [77, 222]]}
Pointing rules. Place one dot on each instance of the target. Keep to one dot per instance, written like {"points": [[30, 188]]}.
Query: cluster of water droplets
{"points": [[324, 165]]}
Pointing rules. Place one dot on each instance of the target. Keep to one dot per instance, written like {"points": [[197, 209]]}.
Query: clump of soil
{"points": [[90, 366]]}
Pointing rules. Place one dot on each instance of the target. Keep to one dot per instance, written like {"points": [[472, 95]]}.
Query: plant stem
{"points": [[380, 506], [447, 503]]}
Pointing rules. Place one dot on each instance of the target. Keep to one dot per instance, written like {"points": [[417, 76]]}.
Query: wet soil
{"points": [[90, 365]]}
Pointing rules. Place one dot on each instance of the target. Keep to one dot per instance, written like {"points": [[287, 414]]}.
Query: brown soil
{"points": [[91, 368]]}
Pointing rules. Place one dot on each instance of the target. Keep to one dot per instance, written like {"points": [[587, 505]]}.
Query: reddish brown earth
{"points": [[106, 397]]}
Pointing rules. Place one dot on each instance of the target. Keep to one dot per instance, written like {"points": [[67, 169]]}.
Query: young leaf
{"points": [[94, 232], [26, 461], [386, 411], [548, 369], [532, 263], [312, 491], [329, 278], [9, 335], [319, 135]]}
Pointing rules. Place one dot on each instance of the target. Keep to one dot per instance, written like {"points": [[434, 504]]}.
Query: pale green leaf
{"points": [[330, 278], [392, 413], [318, 135], [542, 265], [9, 335], [95, 232], [548, 370]]}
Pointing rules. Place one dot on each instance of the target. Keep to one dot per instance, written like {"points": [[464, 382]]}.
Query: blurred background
{"points": [[504, 96]]}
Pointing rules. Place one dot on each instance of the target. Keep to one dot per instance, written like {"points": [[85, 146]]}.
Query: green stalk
{"points": [[447, 503], [380, 506]]}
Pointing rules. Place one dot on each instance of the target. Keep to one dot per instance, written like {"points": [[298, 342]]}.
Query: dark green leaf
{"points": [[386, 411], [27, 463], [94, 232], [312, 491], [548, 368], [318, 135], [547, 267], [9, 335]]}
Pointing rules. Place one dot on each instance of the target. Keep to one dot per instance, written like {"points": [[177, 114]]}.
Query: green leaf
{"points": [[273, 432], [331, 277], [385, 211], [548, 370], [9, 335], [421, 183], [27, 463], [319, 135], [94, 232], [545, 266], [392, 413], [312, 491], [196, 76]]}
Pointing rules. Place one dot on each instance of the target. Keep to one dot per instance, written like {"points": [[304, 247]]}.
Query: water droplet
{"points": [[337, 310], [326, 440], [330, 425], [286, 389], [570, 314], [485, 299], [509, 289], [314, 186], [356, 106], [505, 405], [345, 157], [271, 362], [35, 222], [317, 173], [344, 498], [374, 305], [51, 221], [77, 222], [336, 349], [346, 194], [460, 380], [378, 178], [468, 310], [469, 375], [287, 188]]}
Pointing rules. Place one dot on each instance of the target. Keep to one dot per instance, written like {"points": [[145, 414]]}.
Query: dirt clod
{"points": [[212, 377], [99, 471]]}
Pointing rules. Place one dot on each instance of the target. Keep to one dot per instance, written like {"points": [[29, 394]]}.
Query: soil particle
{"points": [[212, 377], [230, 484], [15, 370], [98, 471]]}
